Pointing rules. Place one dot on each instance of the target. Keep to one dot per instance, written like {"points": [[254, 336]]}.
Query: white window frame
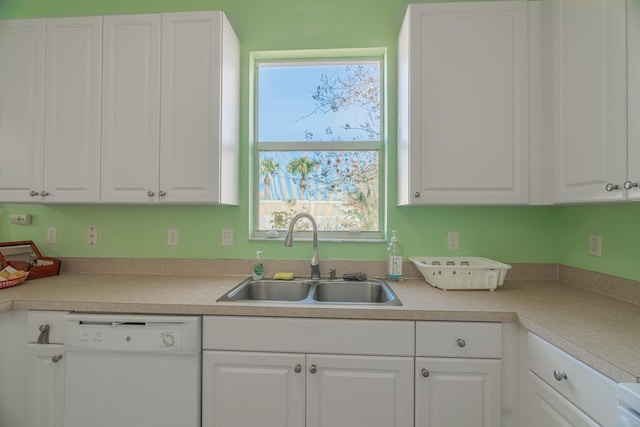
{"points": [[380, 146]]}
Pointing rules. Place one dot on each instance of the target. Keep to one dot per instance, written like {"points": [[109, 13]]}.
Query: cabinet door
{"points": [[22, 47], [72, 109], [193, 47], [359, 391], [550, 409], [242, 389], [588, 116], [458, 392], [633, 75], [45, 385], [130, 109], [463, 104]]}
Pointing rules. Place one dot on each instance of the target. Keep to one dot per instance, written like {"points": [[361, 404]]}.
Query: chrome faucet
{"points": [[288, 241]]}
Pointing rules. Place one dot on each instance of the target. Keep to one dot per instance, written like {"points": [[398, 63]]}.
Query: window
{"points": [[318, 137]]}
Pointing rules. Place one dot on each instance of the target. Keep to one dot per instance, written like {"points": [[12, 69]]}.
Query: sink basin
{"points": [[369, 291], [269, 290], [323, 291]]}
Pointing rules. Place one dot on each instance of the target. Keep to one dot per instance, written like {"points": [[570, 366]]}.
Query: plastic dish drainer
{"points": [[461, 272]]}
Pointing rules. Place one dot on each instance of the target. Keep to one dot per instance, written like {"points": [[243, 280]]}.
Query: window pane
{"points": [[339, 188], [330, 101]]}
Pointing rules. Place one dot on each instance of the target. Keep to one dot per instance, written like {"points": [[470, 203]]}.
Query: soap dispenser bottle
{"points": [[394, 260], [258, 267]]}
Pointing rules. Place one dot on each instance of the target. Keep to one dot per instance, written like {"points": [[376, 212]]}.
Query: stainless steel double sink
{"points": [[312, 291]]}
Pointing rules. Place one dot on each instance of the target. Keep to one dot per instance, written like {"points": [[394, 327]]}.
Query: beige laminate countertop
{"points": [[602, 332]]}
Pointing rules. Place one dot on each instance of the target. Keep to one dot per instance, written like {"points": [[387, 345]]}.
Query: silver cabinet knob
{"points": [[416, 194], [611, 187], [44, 193], [559, 375], [150, 193], [628, 185], [57, 358], [313, 369], [461, 342], [33, 193], [297, 369], [162, 193], [425, 373]]}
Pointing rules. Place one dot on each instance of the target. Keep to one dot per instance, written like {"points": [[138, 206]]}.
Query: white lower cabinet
{"points": [[45, 369], [458, 392], [550, 409], [45, 385], [563, 391], [244, 389], [461, 383], [367, 391], [335, 375]]}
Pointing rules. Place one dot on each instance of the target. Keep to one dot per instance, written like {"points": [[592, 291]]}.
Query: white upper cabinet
{"points": [[632, 183], [463, 104], [199, 109], [170, 109], [22, 45], [587, 114], [131, 109], [72, 110]]}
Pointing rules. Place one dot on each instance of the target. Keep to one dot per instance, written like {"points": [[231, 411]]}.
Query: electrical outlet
{"points": [[595, 245], [52, 235], [92, 235], [227, 237], [453, 240], [172, 237]]}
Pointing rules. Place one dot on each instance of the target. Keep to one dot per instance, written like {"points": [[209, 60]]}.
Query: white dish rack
{"points": [[462, 272]]}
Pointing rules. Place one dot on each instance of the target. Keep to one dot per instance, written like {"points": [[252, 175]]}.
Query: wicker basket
{"points": [[37, 267], [462, 272], [14, 282]]}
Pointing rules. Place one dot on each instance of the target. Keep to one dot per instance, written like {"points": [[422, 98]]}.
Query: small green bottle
{"points": [[258, 267]]}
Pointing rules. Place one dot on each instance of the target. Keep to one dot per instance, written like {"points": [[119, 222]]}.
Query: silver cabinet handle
{"points": [[56, 359], [461, 342], [313, 369], [297, 369], [44, 193], [425, 373], [559, 375], [416, 194], [611, 187], [162, 193], [150, 193], [33, 193], [628, 185], [43, 338]]}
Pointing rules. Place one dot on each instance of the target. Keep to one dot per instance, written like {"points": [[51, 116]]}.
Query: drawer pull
{"points": [[56, 359], [297, 369], [425, 373], [313, 369], [461, 342], [559, 375]]}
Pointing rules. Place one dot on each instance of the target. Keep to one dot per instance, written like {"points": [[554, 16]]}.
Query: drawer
{"points": [[336, 336], [459, 339], [586, 388], [54, 319]]}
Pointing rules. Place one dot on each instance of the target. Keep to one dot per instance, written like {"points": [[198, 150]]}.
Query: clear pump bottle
{"points": [[394, 259]]}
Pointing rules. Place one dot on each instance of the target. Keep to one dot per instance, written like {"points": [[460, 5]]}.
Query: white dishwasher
{"points": [[132, 371]]}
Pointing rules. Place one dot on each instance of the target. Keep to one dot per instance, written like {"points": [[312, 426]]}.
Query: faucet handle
{"points": [[332, 273]]}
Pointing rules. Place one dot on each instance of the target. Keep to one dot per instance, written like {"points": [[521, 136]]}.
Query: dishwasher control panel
{"points": [[130, 338], [174, 334]]}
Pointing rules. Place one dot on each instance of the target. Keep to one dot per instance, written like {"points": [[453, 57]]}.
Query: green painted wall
{"points": [[509, 234]]}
